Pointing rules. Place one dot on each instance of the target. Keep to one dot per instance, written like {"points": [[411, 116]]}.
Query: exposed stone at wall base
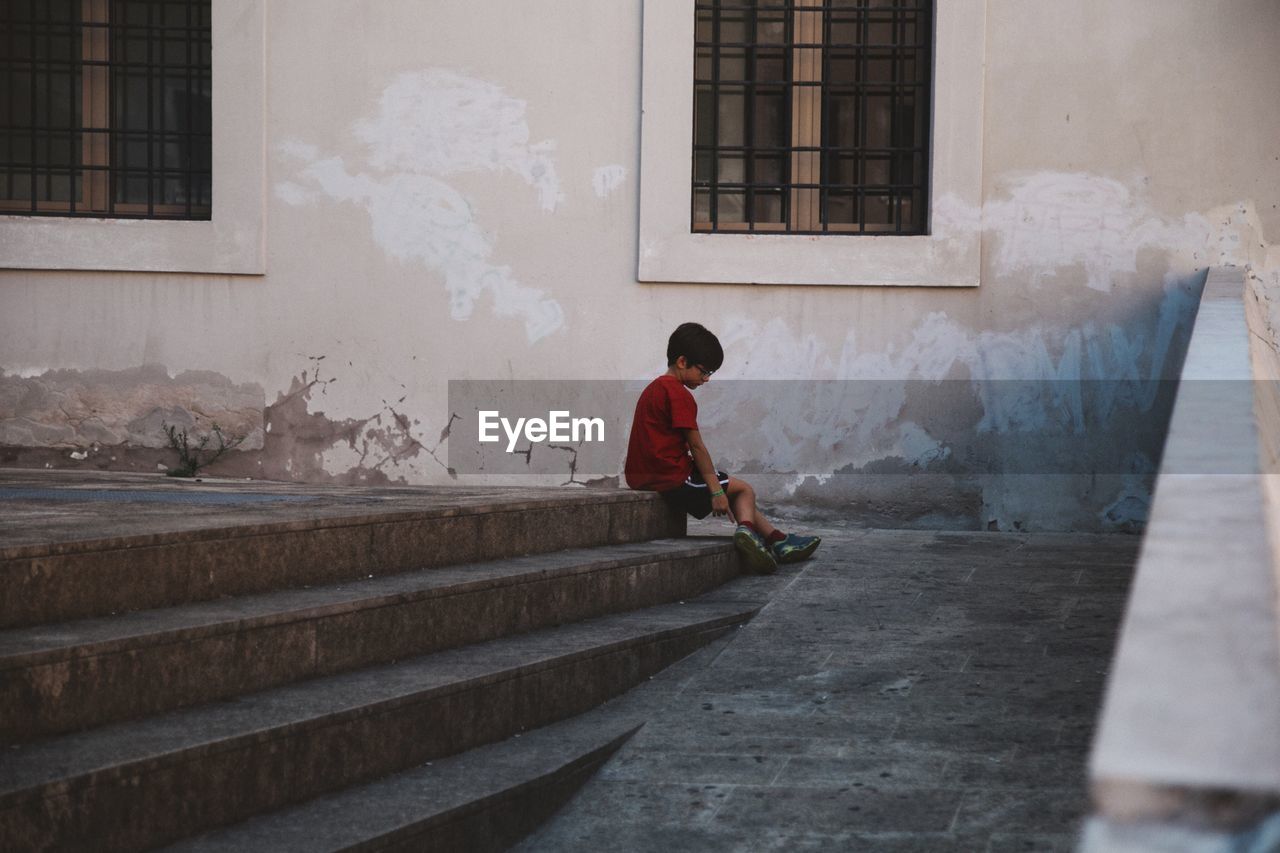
{"points": [[78, 409]]}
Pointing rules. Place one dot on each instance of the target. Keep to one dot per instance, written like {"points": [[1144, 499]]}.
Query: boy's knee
{"points": [[740, 487]]}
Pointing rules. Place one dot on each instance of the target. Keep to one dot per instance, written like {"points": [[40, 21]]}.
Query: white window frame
{"points": [[233, 241], [950, 255]]}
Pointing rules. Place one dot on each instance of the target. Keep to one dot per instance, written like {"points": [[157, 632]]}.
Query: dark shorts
{"points": [[693, 496]]}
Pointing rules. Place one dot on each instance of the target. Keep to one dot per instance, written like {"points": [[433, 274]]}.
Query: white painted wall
{"points": [[451, 192]]}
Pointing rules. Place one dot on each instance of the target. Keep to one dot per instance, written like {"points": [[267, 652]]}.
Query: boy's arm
{"points": [[702, 461]]}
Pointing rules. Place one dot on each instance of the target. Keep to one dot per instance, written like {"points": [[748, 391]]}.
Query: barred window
{"points": [[105, 108], [812, 116]]}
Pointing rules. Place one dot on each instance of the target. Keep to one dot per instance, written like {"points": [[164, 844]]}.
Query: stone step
{"points": [[65, 580], [154, 781], [483, 800], [60, 678]]}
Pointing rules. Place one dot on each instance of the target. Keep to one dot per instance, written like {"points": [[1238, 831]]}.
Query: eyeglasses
{"points": [[706, 374]]}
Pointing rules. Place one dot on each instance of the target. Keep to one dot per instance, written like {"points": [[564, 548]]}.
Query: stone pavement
{"points": [[905, 690]]}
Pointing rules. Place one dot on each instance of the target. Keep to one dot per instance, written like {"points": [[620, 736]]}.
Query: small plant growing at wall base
{"points": [[194, 452]]}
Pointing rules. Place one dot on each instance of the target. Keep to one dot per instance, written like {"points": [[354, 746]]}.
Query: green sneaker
{"points": [[795, 548], [758, 556]]}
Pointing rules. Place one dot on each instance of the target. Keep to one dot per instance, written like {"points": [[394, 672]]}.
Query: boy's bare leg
{"points": [[742, 500]]}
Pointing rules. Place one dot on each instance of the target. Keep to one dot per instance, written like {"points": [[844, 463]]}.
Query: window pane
{"points": [[703, 31], [879, 121], [20, 152], [771, 27], [770, 169], [134, 50], [131, 187], [731, 169], [131, 152], [841, 207], [876, 170], [174, 15], [766, 206], [58, 187], [877, 211], [841, 169], [731, 206], [702, 207], [702, 166], [704, 116], [175, 52], [733, 64], [771, 66], [61, 150], [733, 26], [54, 101], [730, 116], [845, 29], [770, 127], [842, 68], [702, 64], [879, 29], [842, 120], [880, 66], [171, 190]]}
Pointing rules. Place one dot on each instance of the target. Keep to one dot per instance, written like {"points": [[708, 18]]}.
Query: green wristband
{"points": [[717, 493]]}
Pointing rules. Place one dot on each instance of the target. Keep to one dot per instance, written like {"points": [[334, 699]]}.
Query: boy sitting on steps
{"points": [[666, 455]]}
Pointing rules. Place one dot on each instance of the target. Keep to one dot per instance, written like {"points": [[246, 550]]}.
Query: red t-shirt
{"points": [[657, 454]]}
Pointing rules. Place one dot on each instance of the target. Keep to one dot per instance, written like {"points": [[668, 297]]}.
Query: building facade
{"points": [[952, 288]]}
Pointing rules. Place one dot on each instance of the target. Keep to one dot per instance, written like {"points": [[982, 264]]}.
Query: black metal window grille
{"points": [[105, 108], [812, 116]]}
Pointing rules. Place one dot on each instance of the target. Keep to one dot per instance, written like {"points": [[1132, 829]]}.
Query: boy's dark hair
{"points": [[697, 345]]}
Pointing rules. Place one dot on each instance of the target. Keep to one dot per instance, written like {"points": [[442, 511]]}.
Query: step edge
{"points": [[210, 629], [593, 759], [237, 531], [78, 780], [408, 826]]}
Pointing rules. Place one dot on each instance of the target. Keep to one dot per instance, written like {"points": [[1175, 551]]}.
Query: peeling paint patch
{"points": [[1052, 220], [1048, 222], [439, 122], [295, 195], [431, 125], [957, 402], [606, 179], [308, 446]]}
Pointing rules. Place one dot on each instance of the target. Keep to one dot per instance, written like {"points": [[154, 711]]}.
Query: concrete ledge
{"points": [[1190, 731]]}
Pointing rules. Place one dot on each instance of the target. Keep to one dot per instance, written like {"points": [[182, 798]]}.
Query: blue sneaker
{"points": [[758, 556], [795, 548]]}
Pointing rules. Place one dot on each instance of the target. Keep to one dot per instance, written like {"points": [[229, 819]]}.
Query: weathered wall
{"points": [[456, 197]]}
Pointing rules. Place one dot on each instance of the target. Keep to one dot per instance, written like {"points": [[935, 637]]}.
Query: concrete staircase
{"points": [[370, 681]]}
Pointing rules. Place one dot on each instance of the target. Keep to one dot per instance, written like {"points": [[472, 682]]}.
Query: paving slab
{"points": [[904, 690]]}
